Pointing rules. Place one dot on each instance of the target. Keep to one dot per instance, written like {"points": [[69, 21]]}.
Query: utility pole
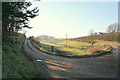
{"points": [[66, 40]]}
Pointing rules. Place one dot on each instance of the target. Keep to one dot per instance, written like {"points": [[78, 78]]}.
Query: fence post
{"points": [[40, 44], [52, 48]]}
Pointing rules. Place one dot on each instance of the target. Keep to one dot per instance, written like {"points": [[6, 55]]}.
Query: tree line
{"points": [[15, 16]]}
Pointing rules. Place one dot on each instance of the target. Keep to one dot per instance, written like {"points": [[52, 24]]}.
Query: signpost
{"points": [[52, 48]]}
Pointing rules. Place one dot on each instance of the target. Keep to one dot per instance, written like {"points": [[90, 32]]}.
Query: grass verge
{"points": [[75, 50], [29, 45], [14, 63]]}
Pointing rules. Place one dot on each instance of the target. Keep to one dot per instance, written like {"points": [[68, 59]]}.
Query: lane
{"points": [[114, 50], [64, 67]]}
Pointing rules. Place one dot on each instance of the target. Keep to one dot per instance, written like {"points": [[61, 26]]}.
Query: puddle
{"points": [[38, 60]]}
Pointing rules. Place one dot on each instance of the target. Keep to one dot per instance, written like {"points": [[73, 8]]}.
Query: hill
{"points": [[106, 37]]}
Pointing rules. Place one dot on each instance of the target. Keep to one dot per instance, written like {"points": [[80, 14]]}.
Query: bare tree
{"points": [[91, 32], [113, 28]]}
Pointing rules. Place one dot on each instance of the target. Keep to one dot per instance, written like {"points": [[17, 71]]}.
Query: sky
{"points": [[75, 19]]}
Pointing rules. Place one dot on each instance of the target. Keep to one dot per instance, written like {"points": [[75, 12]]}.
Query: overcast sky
{"points": [[75, 19]]}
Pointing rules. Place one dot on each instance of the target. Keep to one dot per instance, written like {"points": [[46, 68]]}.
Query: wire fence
{"points": [[48, 48]]}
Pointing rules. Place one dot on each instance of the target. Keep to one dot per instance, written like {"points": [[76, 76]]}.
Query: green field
{"points": [[73, 48]]}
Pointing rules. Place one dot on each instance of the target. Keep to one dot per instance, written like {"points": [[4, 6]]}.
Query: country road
{"points": [[53, 66]]}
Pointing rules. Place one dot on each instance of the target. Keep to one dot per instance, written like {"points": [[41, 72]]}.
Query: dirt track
{"points": [[62, 67]]}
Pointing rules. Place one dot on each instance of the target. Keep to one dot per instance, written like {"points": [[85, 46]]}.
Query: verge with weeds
{"points": [[14, 62], [74, 49]]}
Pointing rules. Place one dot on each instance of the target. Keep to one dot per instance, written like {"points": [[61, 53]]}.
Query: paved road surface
{"points": [[64, 67]]}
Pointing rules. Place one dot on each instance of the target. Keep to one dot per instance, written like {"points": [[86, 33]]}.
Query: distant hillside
{"points": [[46, 38], [107, 37], [62, 39]]}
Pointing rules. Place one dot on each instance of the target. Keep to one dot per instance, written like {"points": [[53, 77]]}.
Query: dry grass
{"points": [[113, 42], [98, 48]]}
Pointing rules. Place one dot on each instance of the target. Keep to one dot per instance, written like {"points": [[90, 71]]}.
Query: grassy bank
{"points": [[73, 49], [113, 37], [15, 63]]}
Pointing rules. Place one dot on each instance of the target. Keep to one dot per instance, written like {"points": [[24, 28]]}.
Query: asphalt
{"points": [[52, 66]]}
